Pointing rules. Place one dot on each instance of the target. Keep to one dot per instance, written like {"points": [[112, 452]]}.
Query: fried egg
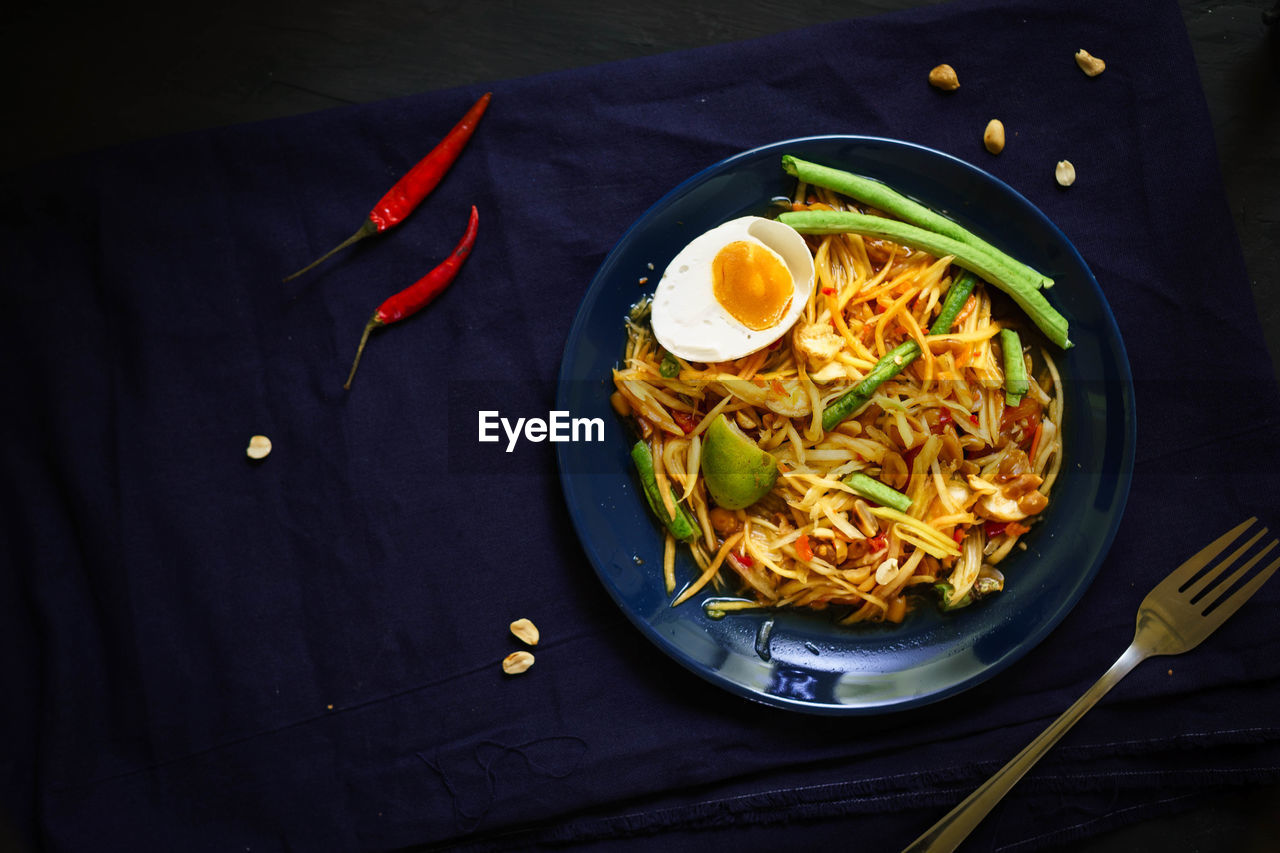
{"points": [[733, 290]]}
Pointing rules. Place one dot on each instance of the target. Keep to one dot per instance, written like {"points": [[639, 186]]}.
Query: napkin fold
{"points": [[203, 652]]}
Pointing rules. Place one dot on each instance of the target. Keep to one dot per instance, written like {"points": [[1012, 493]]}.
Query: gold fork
{"points": [[1174, 618]]}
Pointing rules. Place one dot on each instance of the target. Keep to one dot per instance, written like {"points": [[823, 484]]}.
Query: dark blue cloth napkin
{"points": [[200, 652]]}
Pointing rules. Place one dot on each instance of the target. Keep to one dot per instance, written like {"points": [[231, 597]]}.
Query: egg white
{"points": [[688, 321]]}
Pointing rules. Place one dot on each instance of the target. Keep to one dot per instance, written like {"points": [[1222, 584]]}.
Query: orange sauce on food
{"points": [[751, 284]]}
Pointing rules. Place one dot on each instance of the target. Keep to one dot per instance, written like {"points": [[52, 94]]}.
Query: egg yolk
{"points": [[751, 284]]}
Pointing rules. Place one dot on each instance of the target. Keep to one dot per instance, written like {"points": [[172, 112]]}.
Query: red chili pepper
{"points": [[803, 549], [944, 418], [684, 420], [995, 528], [878, 543], [416, 296], [416, 184]]}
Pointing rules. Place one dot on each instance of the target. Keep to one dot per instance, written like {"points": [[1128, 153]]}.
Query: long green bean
{"points": [[987, 266], [883, 197]]}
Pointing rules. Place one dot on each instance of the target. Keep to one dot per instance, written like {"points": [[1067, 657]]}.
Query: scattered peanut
{"points": [[1089, 64], [516, 663], [259, 447], [993, 136], [944, 77], [1065, 173], [526, 631]]}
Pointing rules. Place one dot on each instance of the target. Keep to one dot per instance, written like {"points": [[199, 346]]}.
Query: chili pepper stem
{"points": [[367, 228], [374, 322]]}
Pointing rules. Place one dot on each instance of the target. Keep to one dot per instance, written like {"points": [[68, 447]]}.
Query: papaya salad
{"points": [[851, 405]]}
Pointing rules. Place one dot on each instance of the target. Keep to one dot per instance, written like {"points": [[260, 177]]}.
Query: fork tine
{"points": [[1205, 584], [1182, 575], [1221, 590], [1224, 607]]}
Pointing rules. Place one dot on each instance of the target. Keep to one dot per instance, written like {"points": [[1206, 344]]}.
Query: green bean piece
{"points": [[883, 197], [987, 266], [1015, 369], [874, 490], [890, 364], [957, 295], [945, 591], [670, 368], [682, 525]]}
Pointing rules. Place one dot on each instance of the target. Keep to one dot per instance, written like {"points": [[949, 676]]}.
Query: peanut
{"points": [[993, 136], [944, 77], [1065, 173], [893, 470], [1032, 502], [866, 522], [516, 663], [526, 631], [259, 447], [1089, 64], [887, 572], [724, 522]]}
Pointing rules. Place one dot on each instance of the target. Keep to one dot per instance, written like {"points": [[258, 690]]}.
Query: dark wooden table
{"points": [[105, 74]]}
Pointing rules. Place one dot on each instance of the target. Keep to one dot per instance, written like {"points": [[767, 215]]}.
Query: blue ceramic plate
{"points": [[810, 663]]}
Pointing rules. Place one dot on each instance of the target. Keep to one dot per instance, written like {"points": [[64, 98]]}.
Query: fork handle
{"points": [[947, 833]]}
